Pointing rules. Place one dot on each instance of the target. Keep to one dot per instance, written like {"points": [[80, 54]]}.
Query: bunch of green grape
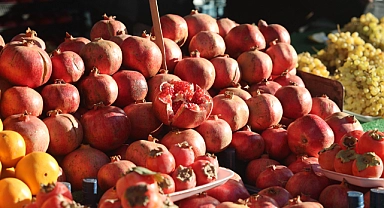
{"points": [[338, 47], [308, 63], [369, 27], [362, 76]]}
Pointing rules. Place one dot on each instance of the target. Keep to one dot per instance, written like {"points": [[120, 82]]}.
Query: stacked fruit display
{"points": [[103, 108]]}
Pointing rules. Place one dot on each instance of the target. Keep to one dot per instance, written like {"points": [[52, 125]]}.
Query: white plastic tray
{"points": [[358, 181], [224, 175], [362, 118]]}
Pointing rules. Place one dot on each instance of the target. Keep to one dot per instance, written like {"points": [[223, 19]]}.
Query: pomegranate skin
{"points": [[309, 134], [175, 28], [71, 43], [197, 22], [255, 66], [295, 100], [107, 28], [66, 65], [209, 44]]}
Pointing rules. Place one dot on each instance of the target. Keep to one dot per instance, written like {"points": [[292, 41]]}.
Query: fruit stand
{"points": [[195, 111]]}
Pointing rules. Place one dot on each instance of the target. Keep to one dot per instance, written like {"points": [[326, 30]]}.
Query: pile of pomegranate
{"points": [[105, 108]]}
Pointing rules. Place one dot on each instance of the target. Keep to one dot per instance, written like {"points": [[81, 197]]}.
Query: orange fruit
{"points": [[36, 169], [12, 148], [14, 193]]}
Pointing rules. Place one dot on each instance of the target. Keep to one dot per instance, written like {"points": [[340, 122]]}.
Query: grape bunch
{"points": [[369, 27], [362, 76], [308, 63]]}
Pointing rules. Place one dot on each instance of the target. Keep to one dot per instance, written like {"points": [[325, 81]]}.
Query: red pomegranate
{"points": [[265, 110], [71, 43], [232, 109], [278, 193], [65, 133], [342, 123], [197, 22], [276, 142], [309, 134], [31, 128], [209, 44], [30, 35], [60, 96], [182, 104], [197, 70], [243, 38], [190, 135], [323, 106], [303, 162], [225, 25], [174, 27], [109, 173], [298, 202], [141, 54], [132, 87], [264, 86], [18, 99], [145, 120], [97, 88], [91, 161], [236, 90], [257, 200], [216, 132], [21, 59], [227, 72], [295, 100], [107, 28], [287, 78], [335, 195], [283, 55], [198, 200], [119, 37], [231, 190], [173, 54], [255, 66], [272, 32], [256, 166], [67, 65], [102, 54], [274, 175], [155, 82], [105, 127]]}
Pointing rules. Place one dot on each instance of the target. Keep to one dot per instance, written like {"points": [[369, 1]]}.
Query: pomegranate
{"points": [[283, 55], [65, 133], [295, 100], [109, 173], [278, 193], [257, 200], [342, 123], [119, 37], [272, 32], [227, 72], [231, 190], [141, 54], [265, 110], [174, 27], [155, 82], [173, 54], [4, 85], [307, 182], [71, 43], [248, 144], [97, 88], [102, 54], [67, 65], [232, 109], [274, 175], [18, 99], [243, 38], [255, 66], [31, 128], [303, 162], [132, 87], [216, 132], [197, 22], [236, 90], [327, 156], [107, 28], [182, 104], [335, 195], [197, 70], [190, 135], [309, 134], [297, 202], [276, 142], [287, 78], [323, 106], [264, 86], [60, 96], [210, 44], [225, 25], [145, 120], [198, 200], [30, 35], [256, 166], [21, 59], [91, 161]]}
